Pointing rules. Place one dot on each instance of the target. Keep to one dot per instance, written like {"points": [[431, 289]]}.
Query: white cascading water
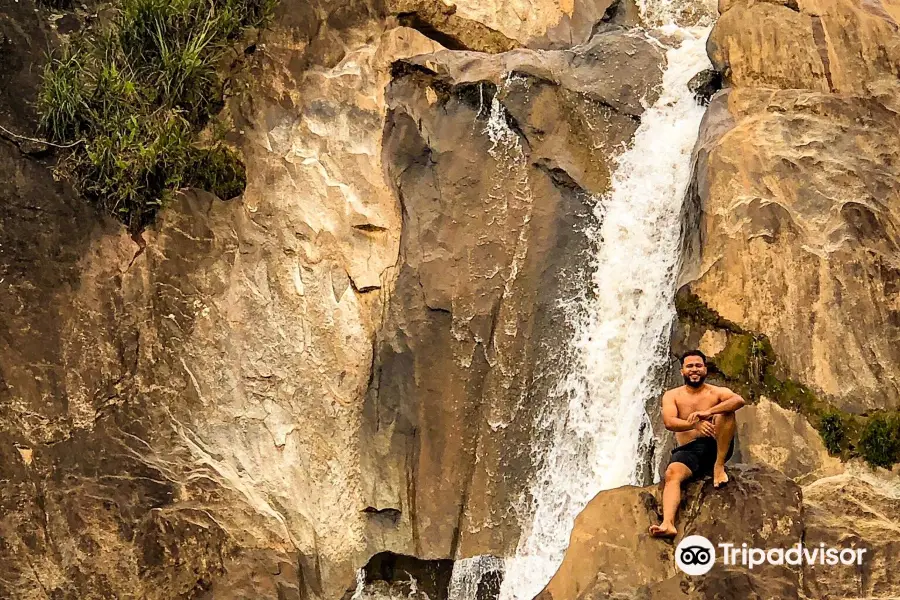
{"points": [[601, 431]]}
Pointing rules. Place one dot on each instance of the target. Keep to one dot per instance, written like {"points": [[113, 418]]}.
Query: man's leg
{"points": [[676, 473], [725, 426]]}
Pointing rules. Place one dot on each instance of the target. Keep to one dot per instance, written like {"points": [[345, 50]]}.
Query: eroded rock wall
{"points": [[496, 180], [797, 192], [262, 394]]}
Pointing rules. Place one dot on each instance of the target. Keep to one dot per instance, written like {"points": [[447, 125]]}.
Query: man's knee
{"points": [[725, 424], [726, 417], [677, 472]]}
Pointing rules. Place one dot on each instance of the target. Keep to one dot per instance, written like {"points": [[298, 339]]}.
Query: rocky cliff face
{"points": [[263, 394], [343, 366], [797, 181], [495, 182]]}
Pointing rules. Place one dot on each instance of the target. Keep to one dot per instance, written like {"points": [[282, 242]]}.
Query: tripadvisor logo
{"points": [[695, 555]]}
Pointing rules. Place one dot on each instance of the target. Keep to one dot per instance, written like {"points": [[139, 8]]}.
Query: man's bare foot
{"points": [[720, 477], [663, 530]]}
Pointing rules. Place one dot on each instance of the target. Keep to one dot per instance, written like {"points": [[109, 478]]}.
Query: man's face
{"points": [[693, 370]]}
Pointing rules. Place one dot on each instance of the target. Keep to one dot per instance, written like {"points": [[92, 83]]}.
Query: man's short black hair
{"points": [[693, 353]]}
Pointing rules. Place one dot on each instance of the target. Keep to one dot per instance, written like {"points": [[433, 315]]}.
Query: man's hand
{"points": [[700, 415], [705, 428]]}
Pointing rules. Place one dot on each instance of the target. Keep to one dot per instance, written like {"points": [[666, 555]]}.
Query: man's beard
{"points": [[693, 384]]}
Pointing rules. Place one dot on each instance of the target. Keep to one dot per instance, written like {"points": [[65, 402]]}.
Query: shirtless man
{"points": [[702, 417]]}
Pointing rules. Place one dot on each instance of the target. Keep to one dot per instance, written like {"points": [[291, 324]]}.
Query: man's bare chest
{"points": [[688, 404]]}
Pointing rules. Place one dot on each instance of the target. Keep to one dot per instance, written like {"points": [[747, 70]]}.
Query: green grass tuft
{"points": [[879, 442], [137, 93], [833, 431]]}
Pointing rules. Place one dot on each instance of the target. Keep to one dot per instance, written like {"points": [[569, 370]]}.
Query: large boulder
{"points": [[611, 555], [861, 509], [784, 440], [796, 197], [470, 23], [843, 46]]}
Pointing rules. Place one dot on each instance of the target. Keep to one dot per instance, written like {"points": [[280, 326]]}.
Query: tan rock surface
{"points": [[611, 555], [859, 509], [784, 440], [800, 235], [502, 25], [443, 23], [843, 46], [537, 24]]}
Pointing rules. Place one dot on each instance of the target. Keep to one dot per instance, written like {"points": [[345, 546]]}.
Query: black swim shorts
{"points": [[699, 455]]}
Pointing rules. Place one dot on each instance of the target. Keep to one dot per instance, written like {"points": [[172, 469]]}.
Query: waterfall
{"points": [[601, 429]]}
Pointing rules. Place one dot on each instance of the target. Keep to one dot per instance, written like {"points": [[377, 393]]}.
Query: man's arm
{"points": [[728, 402], [670, 415]]}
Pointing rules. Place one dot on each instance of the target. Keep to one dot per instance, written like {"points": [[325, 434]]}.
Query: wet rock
{"points": [[621, 13], [388, 575], [496, 180], [704, 84]]}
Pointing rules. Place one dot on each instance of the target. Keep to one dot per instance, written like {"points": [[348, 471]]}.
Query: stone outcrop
{"points": [[546, 24], [840, 46], [784, 440], [611, 555], [860, 509], [797, 197]]}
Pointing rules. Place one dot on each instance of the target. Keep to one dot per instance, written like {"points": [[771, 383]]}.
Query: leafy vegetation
{"points": [[134, 95], [879, 442], [833, 431]]}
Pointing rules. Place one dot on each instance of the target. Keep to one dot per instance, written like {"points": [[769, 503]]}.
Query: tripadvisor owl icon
{"points": [[695, 555]]}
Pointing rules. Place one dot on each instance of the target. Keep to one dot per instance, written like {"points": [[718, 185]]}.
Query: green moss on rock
{"points": [[833, 431], [734, 360], [793, 395], [689, 306]]}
